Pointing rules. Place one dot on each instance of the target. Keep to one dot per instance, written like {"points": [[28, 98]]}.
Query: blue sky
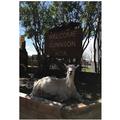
{"points": [[29, 47]]}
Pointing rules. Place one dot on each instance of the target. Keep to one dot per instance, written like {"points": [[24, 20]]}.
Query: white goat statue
{"points": [[62, 88]]}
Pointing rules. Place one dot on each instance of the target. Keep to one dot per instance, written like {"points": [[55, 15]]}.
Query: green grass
{"points": [[87, 69]]}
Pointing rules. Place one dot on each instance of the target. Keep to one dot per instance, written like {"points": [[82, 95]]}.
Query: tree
{"points": [[85, 13], [33, 16], [38, 17], [97, 39]]}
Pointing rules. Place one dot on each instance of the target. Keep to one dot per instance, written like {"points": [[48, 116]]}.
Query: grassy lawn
{"points": [[87, 69]]}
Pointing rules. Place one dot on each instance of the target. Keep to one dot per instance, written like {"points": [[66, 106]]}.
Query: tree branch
{"points": [[87, 39], [85, 46]]}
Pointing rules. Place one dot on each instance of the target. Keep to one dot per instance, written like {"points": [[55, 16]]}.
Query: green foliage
{"points": [[38, 17], [33, 17]]}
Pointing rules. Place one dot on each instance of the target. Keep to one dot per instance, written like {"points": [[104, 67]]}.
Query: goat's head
{"points": [[71, 70]]}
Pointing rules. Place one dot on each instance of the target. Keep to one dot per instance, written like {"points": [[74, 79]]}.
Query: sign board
{"points": [[64, 43]]}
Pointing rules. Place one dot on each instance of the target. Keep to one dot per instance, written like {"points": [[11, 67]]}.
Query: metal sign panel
{"points": [[64, 43]]}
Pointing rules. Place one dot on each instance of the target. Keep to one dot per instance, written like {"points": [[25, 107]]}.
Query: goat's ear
{"points": [[77, 66], [65, 65]]}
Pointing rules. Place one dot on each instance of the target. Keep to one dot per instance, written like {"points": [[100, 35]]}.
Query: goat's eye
{"points": [[70, 72]]}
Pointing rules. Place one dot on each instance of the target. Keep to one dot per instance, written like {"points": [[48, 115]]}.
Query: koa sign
{"points": [[64, 42]]}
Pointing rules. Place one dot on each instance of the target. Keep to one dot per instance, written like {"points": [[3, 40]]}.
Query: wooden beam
{"points": [[45, 109]]}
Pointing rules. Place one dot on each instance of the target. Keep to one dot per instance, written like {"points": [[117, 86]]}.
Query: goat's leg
{"points": [[78, 96]]}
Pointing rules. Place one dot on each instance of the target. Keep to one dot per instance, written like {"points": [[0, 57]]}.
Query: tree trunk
{"points": [[95, 63], [99, 45]]}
